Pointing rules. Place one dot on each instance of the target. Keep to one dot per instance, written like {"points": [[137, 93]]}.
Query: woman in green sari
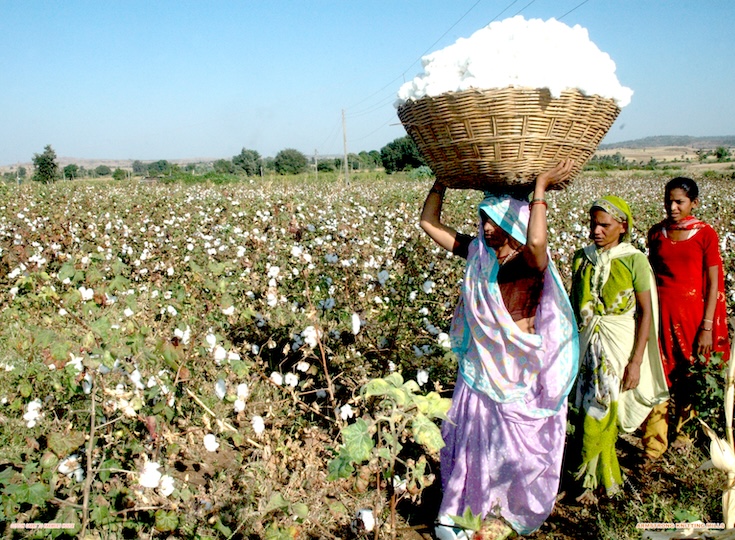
{"points": [[621, 376]]}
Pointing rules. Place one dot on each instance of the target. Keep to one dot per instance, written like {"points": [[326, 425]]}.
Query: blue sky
{"points": [[175, 80]]}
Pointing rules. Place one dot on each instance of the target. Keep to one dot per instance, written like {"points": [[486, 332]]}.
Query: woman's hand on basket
{"points": [[558, 174]]}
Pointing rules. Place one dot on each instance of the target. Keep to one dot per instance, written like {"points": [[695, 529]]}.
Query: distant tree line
{"points": [[399, 155]]}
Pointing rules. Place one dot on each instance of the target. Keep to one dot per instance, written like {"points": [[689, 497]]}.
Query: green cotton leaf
{"points": [[216, 268], [63, 444], [101, 327], [339, 467], [301, 510], [384, 453], [468, 521], [66, 272], [100, 515], [119, 267], [412, 386], [166, 521], [25, 389], [276, 502], [376, 387], [400, 396], [427, 433], [6, 476], [36, 494], [68, 515], [108, 464], [433, 405], [119, 283], [358, 441], [395, 379]]}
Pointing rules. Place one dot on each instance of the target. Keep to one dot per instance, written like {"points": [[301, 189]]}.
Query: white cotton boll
{"points": [[422, 377], [345, 412], [428, 286], [211, 340], [183, 335], [277, 378], [128, 312], [303, 366], [33, 412], [219, 354], [71, 467], [76, 362], [311, 336], [291, 379], [210, 442], [229, 310], [136, 377], [239, 405], [355, 323], [443, 340], [521, 53], [150, 477], [166, 486], [220, 388], [258, 425], [87, 294]]}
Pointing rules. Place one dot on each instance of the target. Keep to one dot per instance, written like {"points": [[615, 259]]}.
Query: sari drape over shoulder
{"points": [[681, 276], [506, 433], [603, 294]]}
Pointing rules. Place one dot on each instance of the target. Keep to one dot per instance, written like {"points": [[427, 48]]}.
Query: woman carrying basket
{"points": [[514, 333], [620, 377], [685, 256]]}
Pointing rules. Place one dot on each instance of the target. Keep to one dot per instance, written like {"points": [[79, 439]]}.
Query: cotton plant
{"points": [[722, 451]]}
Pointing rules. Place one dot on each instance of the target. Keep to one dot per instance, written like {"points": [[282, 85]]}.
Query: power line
{"points": [[524, 7], [573, 9], [428, 50]]}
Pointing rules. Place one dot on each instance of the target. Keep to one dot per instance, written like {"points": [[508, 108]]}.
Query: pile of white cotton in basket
{"points": [[520, 53]]}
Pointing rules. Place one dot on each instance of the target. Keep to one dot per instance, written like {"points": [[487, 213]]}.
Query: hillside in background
{"points": [[673, 140]]}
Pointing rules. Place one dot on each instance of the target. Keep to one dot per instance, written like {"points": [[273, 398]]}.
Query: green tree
{"points": [[159, 167], [369, 160], [71, 171], [139, 167], [103, 170], [21, 172], [722, 153], [401, 154], [248, 161], [290, 161], [325, 165], [46, 168], [223, 166], [119, 174]]}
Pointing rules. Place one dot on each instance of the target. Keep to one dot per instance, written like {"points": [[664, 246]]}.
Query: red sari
{"points": [[681, 276]]}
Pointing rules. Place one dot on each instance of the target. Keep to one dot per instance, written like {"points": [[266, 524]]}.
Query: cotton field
{"points": [[182, 357]]}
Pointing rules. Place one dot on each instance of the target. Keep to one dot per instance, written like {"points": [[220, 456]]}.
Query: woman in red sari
{"points": [[685, 256]]}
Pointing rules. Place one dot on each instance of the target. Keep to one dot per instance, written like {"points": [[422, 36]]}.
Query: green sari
{"points": [[603, 297]]}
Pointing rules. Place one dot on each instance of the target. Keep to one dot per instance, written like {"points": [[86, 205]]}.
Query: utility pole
{"points": [[316, 164], [344, 140]]}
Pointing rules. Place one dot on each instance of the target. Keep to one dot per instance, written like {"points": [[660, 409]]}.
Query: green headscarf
{"points": [[619, 210]]}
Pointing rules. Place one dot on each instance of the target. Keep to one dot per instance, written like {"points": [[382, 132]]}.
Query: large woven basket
{"points": [[501, 139]]}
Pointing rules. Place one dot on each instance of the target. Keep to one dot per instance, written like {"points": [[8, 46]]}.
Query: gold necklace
{"points": [[508, 257]]}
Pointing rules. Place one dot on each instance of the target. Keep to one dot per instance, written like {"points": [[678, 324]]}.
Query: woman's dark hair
{"points": [[687, 185]]}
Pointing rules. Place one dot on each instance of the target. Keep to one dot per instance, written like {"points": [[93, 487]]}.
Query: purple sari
{"points": [[507, 425]]}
